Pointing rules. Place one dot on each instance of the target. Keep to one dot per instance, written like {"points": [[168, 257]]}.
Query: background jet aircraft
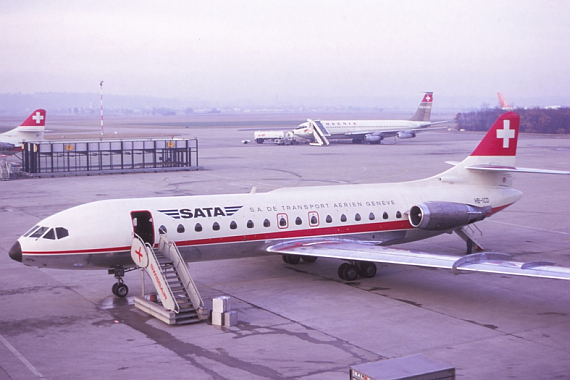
{"points": [[373, 131], [32, 129]]}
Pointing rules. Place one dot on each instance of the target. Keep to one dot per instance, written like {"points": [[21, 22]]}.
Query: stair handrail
{"points": [[150, 251], [185, 276]]}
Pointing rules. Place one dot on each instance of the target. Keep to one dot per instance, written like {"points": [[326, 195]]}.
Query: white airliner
{"points": [[32, 129], [373, 131], [354, 223]]}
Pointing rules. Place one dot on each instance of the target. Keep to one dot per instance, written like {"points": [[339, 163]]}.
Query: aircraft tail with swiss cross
{"points": [[32, 129], [423, 113], [492, 161]]}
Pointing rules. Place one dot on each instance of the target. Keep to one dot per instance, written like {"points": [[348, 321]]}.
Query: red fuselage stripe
{"points": [[284, 234]]}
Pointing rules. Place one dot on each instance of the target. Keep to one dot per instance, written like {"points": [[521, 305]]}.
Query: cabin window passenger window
{"points": [[233, 225], [343, 218], [371, 216], [61, 232], [357, 217], [198, 227], [162, 230], [216, 226], [398, 215], [282, 222], [385, 215], [298, 221], [180, 229], [50, 235], [329, 219], [266, 223], [249, 224], [314, 220]]}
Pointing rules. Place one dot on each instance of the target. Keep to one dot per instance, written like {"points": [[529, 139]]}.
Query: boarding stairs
{"points": [[180, 299], [320, 133]]}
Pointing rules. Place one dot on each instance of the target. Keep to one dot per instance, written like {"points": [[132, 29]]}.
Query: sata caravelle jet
{"points": [[356, 223], [32, 129], [373, 131]]}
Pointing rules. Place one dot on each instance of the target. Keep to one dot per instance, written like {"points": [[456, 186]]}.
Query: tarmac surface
{"points": [[297, 321]]}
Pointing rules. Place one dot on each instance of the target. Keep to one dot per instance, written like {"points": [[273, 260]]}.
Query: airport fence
{"points": [[108, 156]]}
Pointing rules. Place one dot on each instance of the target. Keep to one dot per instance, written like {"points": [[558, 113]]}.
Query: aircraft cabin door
{"points": [[143, 226]]}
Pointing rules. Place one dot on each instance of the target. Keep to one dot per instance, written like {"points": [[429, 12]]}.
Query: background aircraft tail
{"points": [[503, 102], [423, 113], [31, 129]]}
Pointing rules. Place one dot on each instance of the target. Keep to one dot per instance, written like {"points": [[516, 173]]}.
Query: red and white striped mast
{"points": [[101, 84]]}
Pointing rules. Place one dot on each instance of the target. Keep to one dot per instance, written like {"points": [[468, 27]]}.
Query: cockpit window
{"points": [[50, 234], [61, 232], [39, 232], [30, 231]]}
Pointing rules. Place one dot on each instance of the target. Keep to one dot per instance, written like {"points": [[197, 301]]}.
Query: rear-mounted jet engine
{"points": [[445, 215]]}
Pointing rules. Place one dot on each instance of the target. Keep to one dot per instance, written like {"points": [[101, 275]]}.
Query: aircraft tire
{"points": [[122, 290], [291, 259], [294, 259], [114, 288], [309, 259], [341, 270], [350, 272], [368, 270]]}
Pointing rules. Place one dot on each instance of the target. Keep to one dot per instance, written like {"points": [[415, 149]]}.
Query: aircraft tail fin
{"points": [[503, 102], [423, 113], [32, 128], [494, 157], [501, 139]]}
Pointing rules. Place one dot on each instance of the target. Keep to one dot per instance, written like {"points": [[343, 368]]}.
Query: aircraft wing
{"points": [[394, 132], [490, 262]]}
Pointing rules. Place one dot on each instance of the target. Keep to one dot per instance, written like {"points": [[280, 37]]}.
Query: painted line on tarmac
{"points": [[531, 228], [21, 357]]}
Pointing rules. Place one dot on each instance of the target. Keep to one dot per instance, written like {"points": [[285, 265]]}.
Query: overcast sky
{"points": [[283, 50]]}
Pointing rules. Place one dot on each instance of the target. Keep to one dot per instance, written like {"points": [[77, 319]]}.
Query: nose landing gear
{"points": [[119, 289]]}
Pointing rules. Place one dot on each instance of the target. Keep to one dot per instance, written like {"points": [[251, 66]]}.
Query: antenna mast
{"points": [[101, 84]]}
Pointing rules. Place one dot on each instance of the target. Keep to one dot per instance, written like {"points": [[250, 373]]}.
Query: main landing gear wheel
{"points": [[367, 270], [291, 259], [351, 271], [348, 272]]}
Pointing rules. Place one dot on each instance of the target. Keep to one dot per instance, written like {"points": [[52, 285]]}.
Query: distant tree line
{"points": [[533, 120]]}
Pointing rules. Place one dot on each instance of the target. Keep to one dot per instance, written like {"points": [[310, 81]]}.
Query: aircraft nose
{"points": [[16, 252]]}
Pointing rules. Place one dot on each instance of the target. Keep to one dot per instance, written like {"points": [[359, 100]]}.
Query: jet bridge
{"points": [[320, 133], [179, 301]]}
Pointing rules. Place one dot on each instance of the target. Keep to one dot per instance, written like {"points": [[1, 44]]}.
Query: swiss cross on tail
{"points": [[428, 98], [36, 119], [501, 139]]}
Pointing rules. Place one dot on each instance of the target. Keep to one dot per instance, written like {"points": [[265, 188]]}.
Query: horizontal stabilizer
{"points": [[511, 169], [489, 262]]}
